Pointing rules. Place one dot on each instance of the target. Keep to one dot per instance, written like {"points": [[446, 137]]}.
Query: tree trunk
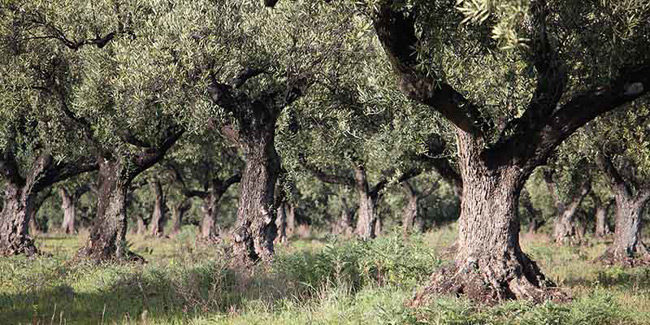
{"points": [[628, 247], [141, 226], [209, 231], [344, 225], [291, 220], [69, 211], [178, 213], [108, 234], [14, 220], [602, 227], [255, 228], [409, 214], [366, 219], [158, 215], [564, 229], [281, 223], [489, 263]]}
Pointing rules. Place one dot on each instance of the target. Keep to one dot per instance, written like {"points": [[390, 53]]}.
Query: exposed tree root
{"points": [[493, 282]]}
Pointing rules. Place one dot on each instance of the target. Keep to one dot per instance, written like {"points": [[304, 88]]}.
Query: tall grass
{"points": [[319, 281]]}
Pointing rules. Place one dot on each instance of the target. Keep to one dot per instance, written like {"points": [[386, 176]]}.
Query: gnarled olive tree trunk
{"points": [[255, 228], [366, 217], [108, 233], [489, 262], [410, 212], [178, 213], [565, 226], [628, 246], [602, 227], [158, 218], [14, 238], [69, 211], [343, 226]]}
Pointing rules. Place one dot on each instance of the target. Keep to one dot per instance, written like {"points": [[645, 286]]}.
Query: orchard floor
{"points": [[316, 281]]}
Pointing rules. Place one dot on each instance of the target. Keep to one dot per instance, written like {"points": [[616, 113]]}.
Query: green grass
{"points": [[316, 281]]}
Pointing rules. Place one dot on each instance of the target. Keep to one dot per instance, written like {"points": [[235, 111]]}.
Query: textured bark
{"points": [[209, 230], [69, 211], [108, 234], [366, 217], [489, 263], [628, 247], [409, 214], [14, 238], [158, 217], [255, 228]]}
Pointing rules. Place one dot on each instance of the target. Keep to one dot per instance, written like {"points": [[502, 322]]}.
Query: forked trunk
{"points": [[108, 234], [69, 211], [628, 247], [158, 215], [14, 219], [366, 220], [489, 264], [255, 229]]}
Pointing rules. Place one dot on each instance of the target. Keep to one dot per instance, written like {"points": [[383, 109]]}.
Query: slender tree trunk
{"points": [[108, 234], [281, 223], [628, 247], [366, 219], [291, 220], [602, 227], [409, 214], [69, 211], [158, 215], [14, 219], [255, 229], [489, 263]]}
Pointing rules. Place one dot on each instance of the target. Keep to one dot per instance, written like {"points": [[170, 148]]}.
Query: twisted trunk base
{"points": [[107, 240], [628, 249], [14, 237], [489, 265]]}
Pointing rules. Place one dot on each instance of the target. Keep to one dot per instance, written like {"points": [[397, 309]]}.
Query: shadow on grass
{"points": [[153, 295]]}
